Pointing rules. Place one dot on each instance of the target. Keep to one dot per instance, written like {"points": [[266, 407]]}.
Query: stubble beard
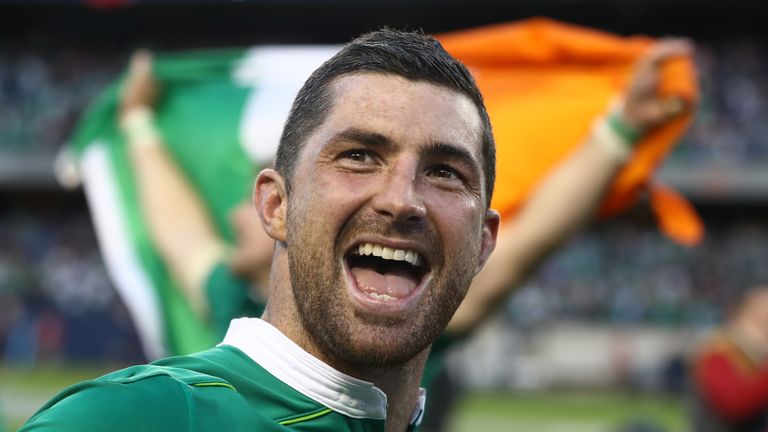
{"points": [[363, 339]]}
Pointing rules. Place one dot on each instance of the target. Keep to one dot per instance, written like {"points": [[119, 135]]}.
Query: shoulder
{"points": [[119, 401], [147, 398]]}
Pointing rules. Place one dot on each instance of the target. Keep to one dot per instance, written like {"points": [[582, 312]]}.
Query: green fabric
{"points": [[228, 298], [199, 115], [220, 389]]}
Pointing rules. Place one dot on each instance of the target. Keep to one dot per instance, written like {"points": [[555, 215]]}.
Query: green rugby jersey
{"points": [[256, 380], [229, 297]]}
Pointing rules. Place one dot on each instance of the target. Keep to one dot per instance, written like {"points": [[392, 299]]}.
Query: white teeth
{"points": [[389, 253], [380, 296]]}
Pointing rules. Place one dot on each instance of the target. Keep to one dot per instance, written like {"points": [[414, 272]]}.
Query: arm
{"points": [[178, 222], [566, 199]]}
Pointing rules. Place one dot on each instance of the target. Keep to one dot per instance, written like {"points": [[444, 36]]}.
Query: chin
{"points": [[381, 343], [380, 355]]}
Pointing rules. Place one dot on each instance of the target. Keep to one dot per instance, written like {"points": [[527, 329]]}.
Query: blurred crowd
{"points": [[624, 274], [42, 95], [729, 128], [56, 300]]}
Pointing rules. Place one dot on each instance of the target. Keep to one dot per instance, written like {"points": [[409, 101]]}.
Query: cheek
{"points": [[458, 223], [460, 216], [353, 184], [331, 199]]}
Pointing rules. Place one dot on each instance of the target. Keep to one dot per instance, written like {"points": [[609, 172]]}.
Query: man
{"points": [[379, 207], [730, 370], [219, 282]]}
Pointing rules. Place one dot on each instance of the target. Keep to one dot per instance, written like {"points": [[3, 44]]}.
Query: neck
{"points": [[401, 385], [259, 281]]}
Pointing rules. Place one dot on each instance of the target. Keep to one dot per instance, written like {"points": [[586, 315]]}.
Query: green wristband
{"points": [[628, 133]]}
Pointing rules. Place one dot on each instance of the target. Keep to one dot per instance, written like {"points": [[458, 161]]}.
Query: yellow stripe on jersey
{"points": [[214, 384], [311, 416]]}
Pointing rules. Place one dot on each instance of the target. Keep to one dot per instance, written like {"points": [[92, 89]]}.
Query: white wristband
{"points": [[138, 126], [607, 137]]}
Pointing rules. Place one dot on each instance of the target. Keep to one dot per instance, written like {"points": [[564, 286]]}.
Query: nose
{"points": [[398, 197]]}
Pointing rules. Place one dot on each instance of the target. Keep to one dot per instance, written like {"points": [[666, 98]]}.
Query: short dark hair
{"points": [[411, 55]]}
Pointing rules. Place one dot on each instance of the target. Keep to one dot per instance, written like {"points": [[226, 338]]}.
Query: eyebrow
{"points": [[434, 150], [371, 139], [444, 150]]}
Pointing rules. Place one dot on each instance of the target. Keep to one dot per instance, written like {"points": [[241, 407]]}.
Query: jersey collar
{"points": [[289, 363]]}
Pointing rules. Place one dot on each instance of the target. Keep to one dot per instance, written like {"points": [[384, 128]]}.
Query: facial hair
{"points": [[366, 339]]}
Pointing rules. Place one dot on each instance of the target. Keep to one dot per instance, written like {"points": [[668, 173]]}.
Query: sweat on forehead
{"points": [[412, 55]]}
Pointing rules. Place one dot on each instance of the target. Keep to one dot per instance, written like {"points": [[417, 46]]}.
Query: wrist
{"points": [[629, 133], [610, 140], [138, 126]]}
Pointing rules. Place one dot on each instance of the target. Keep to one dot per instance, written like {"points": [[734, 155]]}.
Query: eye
{"points": [[358, 160], [445, 172], [357, 155]]}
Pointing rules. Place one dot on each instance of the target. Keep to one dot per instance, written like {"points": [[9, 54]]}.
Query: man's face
{"points": [[386, 218]]}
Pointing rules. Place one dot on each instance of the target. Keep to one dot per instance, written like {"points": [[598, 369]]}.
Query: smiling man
{"points": [[378, 204], [388, 221]]}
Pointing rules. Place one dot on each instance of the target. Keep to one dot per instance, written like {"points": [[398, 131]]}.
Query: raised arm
{"points": [[566, 199], [179, 224]]}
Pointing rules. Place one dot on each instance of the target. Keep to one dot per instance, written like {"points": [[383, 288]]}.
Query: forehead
{"points": [[410, 113]]}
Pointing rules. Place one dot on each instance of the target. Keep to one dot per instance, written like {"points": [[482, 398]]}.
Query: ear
{"points": [[271, 202], [490, 232]]}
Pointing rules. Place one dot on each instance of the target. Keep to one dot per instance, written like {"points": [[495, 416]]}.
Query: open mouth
{"points": [[385, 274]]}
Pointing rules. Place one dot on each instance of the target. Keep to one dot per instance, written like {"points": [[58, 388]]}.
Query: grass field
{"points": [[566, 412], [23, 391]]}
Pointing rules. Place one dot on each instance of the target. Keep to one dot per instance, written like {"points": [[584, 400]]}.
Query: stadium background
{"points": [[596, 340]]}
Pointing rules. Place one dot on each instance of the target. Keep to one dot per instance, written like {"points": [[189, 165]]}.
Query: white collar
{"points": [[289, 363]]}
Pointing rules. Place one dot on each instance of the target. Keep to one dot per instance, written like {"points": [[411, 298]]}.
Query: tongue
{"points": [[394, 283]]}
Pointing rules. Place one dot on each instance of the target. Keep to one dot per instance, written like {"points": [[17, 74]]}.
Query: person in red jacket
{"points": [[730, 370]]}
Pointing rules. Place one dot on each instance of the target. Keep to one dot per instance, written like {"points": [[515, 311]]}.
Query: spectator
{"points": [[730, 371]]}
